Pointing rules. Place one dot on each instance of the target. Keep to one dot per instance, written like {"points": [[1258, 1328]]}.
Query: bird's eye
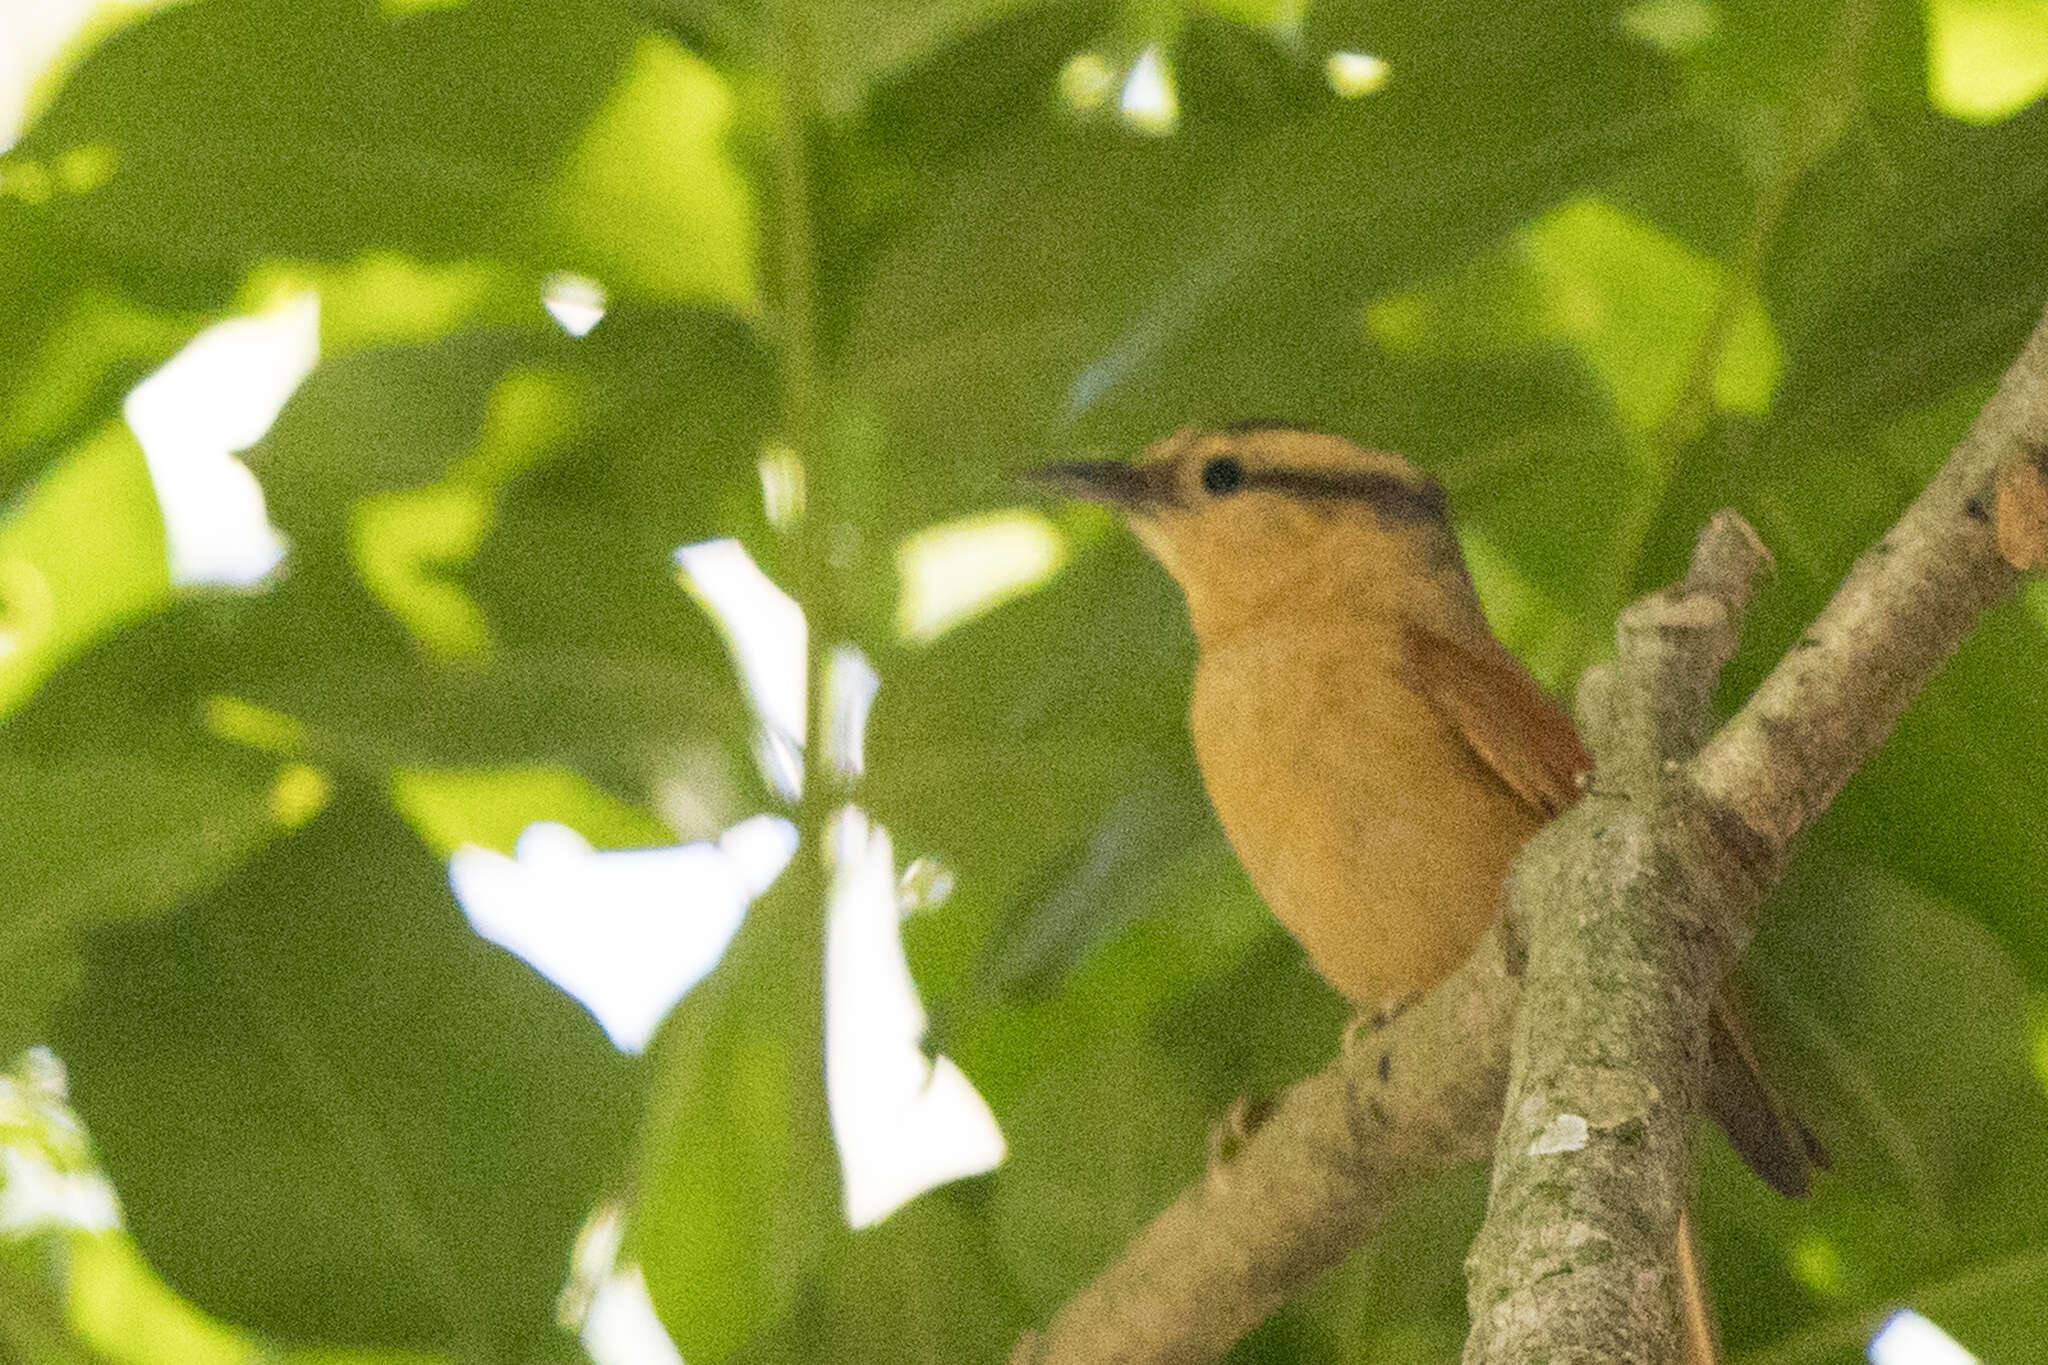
{"points": [[1222, 475]]}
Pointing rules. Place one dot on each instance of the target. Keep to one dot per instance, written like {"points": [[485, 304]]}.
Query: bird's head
{"points": [[1259, 519]]}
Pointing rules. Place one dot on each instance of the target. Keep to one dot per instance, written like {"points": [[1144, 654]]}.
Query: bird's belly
{"points": [[1366, 822]]}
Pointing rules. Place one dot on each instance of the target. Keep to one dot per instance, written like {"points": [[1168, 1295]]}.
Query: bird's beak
{"points": [[1132, 487]]}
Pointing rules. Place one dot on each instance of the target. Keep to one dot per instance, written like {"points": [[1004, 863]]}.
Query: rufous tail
{"points": [[1696, 1310]]}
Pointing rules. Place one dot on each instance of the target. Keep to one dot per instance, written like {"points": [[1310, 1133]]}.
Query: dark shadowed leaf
{"points": [[923, 1288], [317, 1079], [1099, 1143], [94, 837]]}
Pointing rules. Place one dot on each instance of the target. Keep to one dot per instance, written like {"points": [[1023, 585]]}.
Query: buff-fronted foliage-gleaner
{"points": [[1376, 756]]}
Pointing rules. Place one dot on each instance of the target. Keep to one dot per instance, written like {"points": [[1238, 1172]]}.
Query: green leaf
{"points": [[1089, 893], [649, 200], [1217, 273], [317, 131], [39, 284], [98, 348], [573, 642], [56, 601], [334, 1114], [628, 718], [1401, 1300], [490, 807], [1987, 58], [853, 47], [1634, 304], [1908, 264], [1073, 701], [739, 1200], [381, 420], [1101, 1142], [32, 1325], [925, 1287], [88, 838], [123, 1310], [1899, 1028]]}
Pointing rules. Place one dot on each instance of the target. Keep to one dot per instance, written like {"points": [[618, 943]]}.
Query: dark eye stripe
{"points": [[1385, 494]]}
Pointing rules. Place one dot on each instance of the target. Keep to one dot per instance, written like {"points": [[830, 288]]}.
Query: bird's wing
{"points": [[1511, 723], [1530, 744]]}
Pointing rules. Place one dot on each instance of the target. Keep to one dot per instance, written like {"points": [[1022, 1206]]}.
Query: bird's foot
{"points": [[1368, 1024], [1229, 1134]]}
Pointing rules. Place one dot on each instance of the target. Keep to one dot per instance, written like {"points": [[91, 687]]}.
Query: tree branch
{"points": [[1904, 608], [1626, 910], [1690, 864], [1405, 1101]]}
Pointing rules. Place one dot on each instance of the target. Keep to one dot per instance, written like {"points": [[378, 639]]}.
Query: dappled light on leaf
{"points": [[401, 542], [1816, 1262], [25, 606], [1148, 101], [411, 545], [83, 169], [904, 1122], [782, 487], [625, 932], [25, 181], [850, 686], [2038, 1021], [1633, 302], [215, 398], [1986, 59], [299, 793], [384, 298], [125, 1312], [1087, 82], [1522, 614], [577, 302], [956, 571], [1355, 74], [1674, 25], [650, 199], [765, 630], [400, 9], [1910, 1339], [80, 554], [491, 807]]}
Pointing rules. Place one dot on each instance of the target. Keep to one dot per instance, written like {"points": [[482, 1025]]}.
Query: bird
{"points": [[1375, 755]]}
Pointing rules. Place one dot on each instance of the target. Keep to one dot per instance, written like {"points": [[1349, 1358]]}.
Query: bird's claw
{"points": [[1229, 1134], [1368, 1024]]}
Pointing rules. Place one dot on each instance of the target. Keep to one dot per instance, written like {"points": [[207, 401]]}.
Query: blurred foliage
{"points": [[1603, 268]]}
